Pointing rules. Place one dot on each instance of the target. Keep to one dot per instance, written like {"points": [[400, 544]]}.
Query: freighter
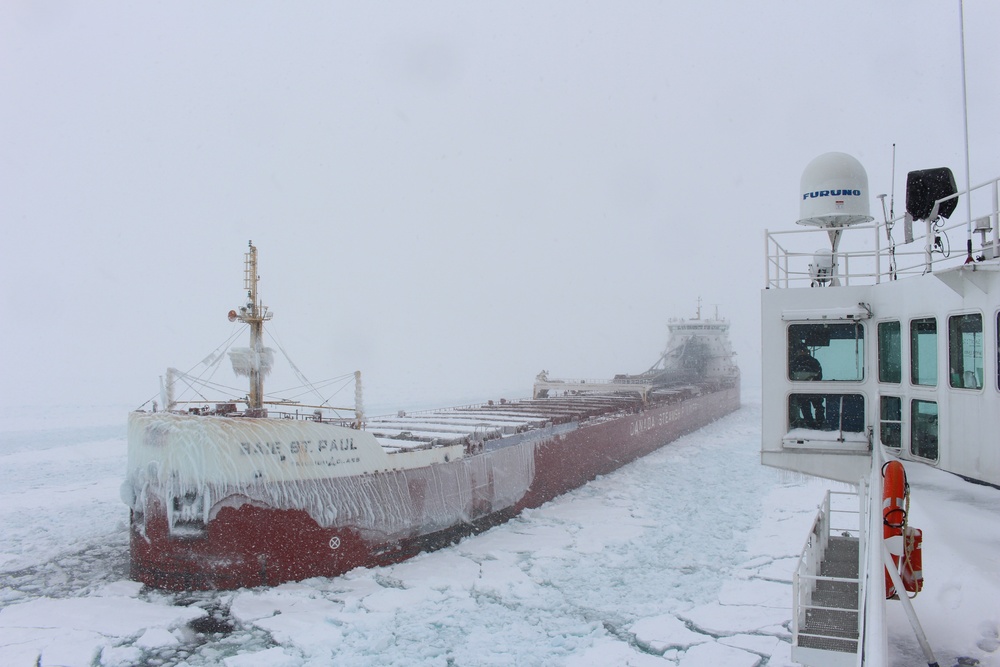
{"points": [[251, 492]]}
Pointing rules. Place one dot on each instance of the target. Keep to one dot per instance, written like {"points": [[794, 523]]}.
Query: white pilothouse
{"points": [[884, 349]]}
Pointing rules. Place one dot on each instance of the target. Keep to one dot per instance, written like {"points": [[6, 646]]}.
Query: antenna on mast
{"points": [[965, 114], [889, 216], [892, 186], [254, 362]]}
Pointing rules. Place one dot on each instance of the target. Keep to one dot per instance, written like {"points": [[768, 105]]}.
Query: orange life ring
{"points": [[893, 515]]}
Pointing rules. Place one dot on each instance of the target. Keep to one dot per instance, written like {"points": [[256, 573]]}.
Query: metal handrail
{"points": [[809, 559], [874, 261]]}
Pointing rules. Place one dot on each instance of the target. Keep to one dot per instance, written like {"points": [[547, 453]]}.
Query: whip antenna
{"points": [[892, 186], [965, 109]]}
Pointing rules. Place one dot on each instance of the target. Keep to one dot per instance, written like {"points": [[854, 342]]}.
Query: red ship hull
{"points": [[246, 545]]}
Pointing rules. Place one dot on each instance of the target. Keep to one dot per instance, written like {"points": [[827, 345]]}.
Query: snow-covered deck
{"points": [[481, 423]]}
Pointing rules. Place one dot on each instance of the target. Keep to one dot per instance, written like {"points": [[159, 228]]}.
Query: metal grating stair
{"points": [[831, 622], [826, 634]]}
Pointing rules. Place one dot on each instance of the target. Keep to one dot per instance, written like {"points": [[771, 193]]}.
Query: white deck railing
{"points": [[877, 252]]}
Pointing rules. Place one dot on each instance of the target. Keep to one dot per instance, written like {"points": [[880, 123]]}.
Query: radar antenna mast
{"points": [[254, 314]]}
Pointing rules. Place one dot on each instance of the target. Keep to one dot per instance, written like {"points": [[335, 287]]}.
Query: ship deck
{"points": [[474, 425]]}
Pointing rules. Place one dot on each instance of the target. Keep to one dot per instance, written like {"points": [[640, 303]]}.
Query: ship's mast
{"points": [[254, 314]]}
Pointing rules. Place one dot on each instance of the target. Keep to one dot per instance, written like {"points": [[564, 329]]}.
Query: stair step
{"points": [[831, 618], [831, 622], [838, 599], [829, 643], [843, 569], [828, 585], [842, 549]]}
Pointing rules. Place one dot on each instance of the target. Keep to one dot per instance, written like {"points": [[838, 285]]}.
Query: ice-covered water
{"points": [[681, 558]]}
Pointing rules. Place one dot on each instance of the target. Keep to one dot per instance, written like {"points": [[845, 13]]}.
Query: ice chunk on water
{"points": [[718, 619], [714, 654], [109, 616], [156, 638], [121, 656], [272, 657], [666, 631]]}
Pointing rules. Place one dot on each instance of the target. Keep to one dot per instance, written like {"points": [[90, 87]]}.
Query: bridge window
{"points": [[891, 420], [826, 352], [965, 351], [924, 429], [890, 360], [923, 351], [827, 412]]}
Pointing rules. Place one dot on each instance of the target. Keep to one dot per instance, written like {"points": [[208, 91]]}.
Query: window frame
{"points": [[879, 351], [996, 320], [828, 402], [915, 364], [883, 422], [859, 356], [952, 330], [916, 432]]}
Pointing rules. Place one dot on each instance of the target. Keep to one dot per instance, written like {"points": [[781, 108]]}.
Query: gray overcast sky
{"points": [[448, 196]]}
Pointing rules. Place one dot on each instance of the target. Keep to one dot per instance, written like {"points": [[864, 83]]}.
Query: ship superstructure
{"points": [[698, 353], [879, 345]]}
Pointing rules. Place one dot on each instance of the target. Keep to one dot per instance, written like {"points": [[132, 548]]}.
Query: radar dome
{"points": [[834, 192]]}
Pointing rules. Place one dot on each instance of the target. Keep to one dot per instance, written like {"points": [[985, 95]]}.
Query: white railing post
{"points": [[796, 602], [767, 259], [897, 581], [928, 247]]}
